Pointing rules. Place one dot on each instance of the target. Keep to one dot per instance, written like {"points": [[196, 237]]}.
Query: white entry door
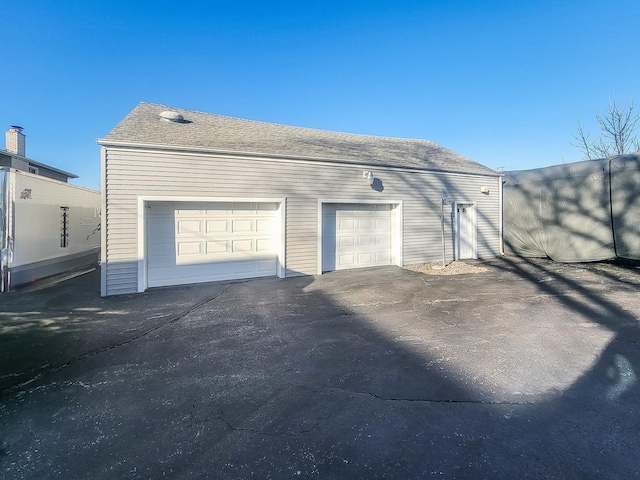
{"points": [[355, 236], [204, 242], [466, 231]]}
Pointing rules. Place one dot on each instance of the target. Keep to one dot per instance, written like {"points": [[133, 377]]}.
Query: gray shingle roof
{"points": [[144, 126]]}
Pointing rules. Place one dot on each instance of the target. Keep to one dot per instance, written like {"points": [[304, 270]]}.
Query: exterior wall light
{"points": [[369, 176], [484, 190]]}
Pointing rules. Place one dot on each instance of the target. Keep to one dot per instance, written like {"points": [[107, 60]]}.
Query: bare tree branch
{"points": [[583, 142], [618, 126]]}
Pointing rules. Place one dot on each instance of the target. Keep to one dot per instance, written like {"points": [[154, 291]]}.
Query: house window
{"points": [[33, 170], [64, 227]]}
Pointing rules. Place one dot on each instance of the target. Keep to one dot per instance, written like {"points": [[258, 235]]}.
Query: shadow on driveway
{"points": [[528, 370]]}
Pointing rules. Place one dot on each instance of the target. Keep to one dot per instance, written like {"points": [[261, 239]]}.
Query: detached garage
{"points": [[194, 197]]}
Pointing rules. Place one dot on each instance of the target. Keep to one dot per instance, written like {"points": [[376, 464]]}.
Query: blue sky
{"points": [[503, 82]]}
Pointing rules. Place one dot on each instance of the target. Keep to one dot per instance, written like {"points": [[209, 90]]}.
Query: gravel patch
{"points": [[453, 268]]}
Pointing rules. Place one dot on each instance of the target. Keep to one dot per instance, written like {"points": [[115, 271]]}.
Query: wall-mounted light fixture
{"points": [[484, 190], [369, 176]]}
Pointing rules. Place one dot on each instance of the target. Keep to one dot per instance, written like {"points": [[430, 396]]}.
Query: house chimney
{"points": [[16, 140]]}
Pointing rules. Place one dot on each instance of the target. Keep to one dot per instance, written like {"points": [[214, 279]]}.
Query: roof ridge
{"points": [[284, 125]]}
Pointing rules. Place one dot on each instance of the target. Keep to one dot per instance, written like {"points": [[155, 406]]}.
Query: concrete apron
{"points": [[527, 370]]}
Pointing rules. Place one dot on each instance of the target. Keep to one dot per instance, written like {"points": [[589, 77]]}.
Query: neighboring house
{"points": [[576, 212], [14, 157], [47, 226], [195, 197]]}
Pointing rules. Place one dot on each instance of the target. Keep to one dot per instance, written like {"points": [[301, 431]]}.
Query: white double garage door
{"points": [[203, 242]]}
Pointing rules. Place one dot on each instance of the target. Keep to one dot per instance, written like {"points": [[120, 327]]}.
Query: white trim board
{"points": [[456, 253], [103, 222]]}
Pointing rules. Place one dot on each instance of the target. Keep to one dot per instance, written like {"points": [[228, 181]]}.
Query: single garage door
{"points": [[355, 236], [204, 242]]}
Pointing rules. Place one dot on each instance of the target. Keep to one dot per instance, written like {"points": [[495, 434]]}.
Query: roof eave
{"points": [[194, 149], [49, 167], [41, 165]]}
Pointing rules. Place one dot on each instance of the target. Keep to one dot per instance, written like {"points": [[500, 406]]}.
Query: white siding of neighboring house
{"points": [[37, 219], [130, 173]]}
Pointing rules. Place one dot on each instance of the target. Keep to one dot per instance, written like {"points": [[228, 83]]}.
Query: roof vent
{"points": [[171, 116]]}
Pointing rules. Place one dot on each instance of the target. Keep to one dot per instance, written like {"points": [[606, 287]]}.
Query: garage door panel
{"points": [[188, 227], [365, 258], [346, 261], [383, 258], [217, 226], [264, 225], [189, 248], [242, 226], [264, 245], [347, 241], [346, 224], [364, 240], [209, 241], [242, 246], [218, 247], [383, 240]]}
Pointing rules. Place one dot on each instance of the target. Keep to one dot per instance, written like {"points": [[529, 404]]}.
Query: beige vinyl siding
{"points": [[131, 173], [489, 219], [301, 239]]}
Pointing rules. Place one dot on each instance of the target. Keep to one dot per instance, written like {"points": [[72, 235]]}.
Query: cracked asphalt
{"points": [[528, 370]]}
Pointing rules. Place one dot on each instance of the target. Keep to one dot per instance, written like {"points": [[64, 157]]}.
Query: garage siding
{"points": [[131, 173]]}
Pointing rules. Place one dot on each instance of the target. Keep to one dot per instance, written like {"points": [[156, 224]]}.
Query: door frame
{"points": [[474, 228], [280, 217], [396, 226]]}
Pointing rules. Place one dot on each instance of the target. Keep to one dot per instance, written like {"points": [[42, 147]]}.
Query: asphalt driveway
{"points": [[529, 370]]}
